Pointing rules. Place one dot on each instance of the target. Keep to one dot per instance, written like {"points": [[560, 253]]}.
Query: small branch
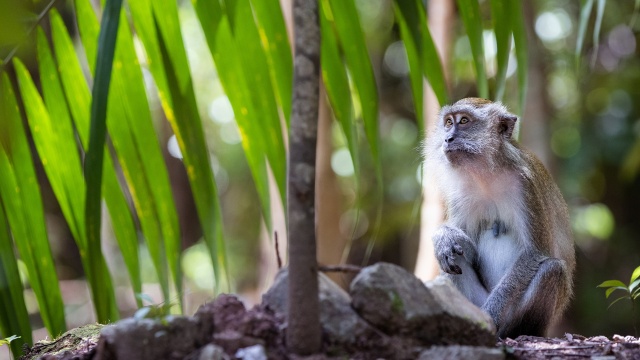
{"points": [[340, 268], [13, 51]]}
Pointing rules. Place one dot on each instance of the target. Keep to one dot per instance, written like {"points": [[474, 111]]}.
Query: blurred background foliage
{"points": [[582, 118]]}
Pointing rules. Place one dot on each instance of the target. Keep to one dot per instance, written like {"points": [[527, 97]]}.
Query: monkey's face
{"points": [[472, 130], [460, 140]]}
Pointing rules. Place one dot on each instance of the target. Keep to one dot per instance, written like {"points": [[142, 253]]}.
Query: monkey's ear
{"points": [[506, 125]]}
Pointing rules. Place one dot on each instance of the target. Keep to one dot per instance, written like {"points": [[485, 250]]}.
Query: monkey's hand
{"points": [[450, 242]]}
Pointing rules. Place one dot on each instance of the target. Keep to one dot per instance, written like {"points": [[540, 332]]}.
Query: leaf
{"points": [[180, 107], [501, 15], [415, 33], [14, 318], [275, 42], [431, 62], [79, 101], [634, 286], [618, 299], [55, 142], [188, 129], [470, 13], [233, 76], [610, 283], [635, 275], [22, 203], [520, 44], [336, 83], [412, 45], [130, 124], [612, 289], [105, 310], [585, 14], [596, 30], [636, 9], [351, 38], [263, 115], [15, 349]]}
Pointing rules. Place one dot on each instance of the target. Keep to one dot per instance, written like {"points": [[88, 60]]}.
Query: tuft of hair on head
{"points": [[477, 102]]}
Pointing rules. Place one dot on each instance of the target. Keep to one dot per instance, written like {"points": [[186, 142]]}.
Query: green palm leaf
{"points": [[78, 99], [501, 14], [14, 318], [169, 67], [23, 207], [522, 54], [470, 13], [336, 82]]}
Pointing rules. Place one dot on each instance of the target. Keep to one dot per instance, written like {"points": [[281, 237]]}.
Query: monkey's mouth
{"points": [[457, 154]]}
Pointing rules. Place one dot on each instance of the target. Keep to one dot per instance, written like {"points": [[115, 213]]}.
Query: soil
{"points": [[231, 327]]}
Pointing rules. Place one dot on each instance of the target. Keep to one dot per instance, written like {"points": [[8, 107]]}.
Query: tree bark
{"points": [[303, 330]]}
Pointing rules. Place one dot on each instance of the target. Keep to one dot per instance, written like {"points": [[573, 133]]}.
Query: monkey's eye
{"points": [[464, 120], [448, 122]]}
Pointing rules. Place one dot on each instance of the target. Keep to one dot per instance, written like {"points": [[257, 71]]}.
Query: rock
{"points": [[455, 352], [235, 327], [340, 323], [231, 340], [461, 318], [76, 344], [174, 337], [256, 352], [212, 352], [394, 300], [225, 312], [390, 298]]}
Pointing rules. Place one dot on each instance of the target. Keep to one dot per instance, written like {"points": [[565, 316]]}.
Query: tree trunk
{"points": [[535, 132], [303, 331], [441, 20]]}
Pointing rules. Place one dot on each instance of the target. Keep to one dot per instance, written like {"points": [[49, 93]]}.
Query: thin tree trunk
{"points": [[303, 331], [535, 132], [441, 19]]}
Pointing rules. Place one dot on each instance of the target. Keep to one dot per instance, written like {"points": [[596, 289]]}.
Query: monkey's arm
{"points": [[457, 255], [449, 242]]}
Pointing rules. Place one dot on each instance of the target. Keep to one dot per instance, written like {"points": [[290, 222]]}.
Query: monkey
{"points": [[506, 242]]}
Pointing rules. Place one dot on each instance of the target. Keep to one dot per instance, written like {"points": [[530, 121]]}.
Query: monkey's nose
{"points": [[449, 139]]}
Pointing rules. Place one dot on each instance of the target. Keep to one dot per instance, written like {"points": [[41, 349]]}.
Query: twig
{"points": [[340, 268], [13, 51], [278, 251]]}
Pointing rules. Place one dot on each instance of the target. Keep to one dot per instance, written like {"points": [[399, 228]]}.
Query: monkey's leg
{"points": [[468, 282], [525, 301]]}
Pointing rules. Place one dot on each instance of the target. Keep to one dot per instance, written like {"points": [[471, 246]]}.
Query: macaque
{"points": [[506, 242]]}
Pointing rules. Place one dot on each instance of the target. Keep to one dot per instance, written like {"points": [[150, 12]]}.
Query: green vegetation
{"points": [[632, 292]]}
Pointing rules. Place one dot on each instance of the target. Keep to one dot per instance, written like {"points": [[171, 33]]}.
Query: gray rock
{"points": [[456, 352], [173, 338], [212, 352], [466, 321], [394, 300], [340, 322], [256, 352]]}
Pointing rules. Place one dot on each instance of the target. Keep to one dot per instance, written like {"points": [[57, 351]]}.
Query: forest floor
{"points": [[233, 331], [573, 346]]}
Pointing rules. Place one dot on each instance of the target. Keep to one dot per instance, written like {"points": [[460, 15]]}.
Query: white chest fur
{"points": [[478, 201]]}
